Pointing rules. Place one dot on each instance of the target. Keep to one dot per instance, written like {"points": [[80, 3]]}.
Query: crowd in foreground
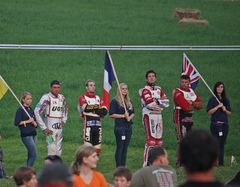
{"points": [[198, 155]]}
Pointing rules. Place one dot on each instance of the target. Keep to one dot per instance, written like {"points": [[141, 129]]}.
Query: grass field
{"points": [[106, 22]]}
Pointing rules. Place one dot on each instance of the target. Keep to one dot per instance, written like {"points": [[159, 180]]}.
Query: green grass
{"points": [[109, 22]]}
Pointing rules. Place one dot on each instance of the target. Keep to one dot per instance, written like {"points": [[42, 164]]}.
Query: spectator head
{"points": [[157, 156], [56, 174], [52, 159], [198, 151], [86, 155], [25, 177], [122, 177]]}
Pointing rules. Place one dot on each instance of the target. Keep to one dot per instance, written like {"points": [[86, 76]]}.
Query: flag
{"points": [[109, 77], [188, 69], [3, 87]]}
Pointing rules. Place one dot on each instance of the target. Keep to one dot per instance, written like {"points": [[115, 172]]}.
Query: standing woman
{"points": [[84, 168], [123, 123], [27, 127], [219, 113]]}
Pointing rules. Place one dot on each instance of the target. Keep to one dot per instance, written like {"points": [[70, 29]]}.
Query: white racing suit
{"points": [[51, 112], [153, 100]]}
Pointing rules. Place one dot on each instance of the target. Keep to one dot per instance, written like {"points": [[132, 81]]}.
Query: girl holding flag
{"points": [[27, 127], [123, 122], [219, 112]]}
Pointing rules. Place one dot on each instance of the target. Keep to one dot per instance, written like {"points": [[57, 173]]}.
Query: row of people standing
{"points": [[186, 101], [52, 110], [154, 100], [121, 109]]}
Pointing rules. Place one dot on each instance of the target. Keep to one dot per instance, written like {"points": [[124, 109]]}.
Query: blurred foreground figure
{"points": [[122, 177], [158, 173], [25, 177], [84, 168], [198, 153], [55, 175]]}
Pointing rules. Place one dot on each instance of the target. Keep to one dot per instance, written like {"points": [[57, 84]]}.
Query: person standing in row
{"points": [[91, 111], [27, 127], [186, 101], [219, 113], [153, 101], [51, 114], [123, 123]]}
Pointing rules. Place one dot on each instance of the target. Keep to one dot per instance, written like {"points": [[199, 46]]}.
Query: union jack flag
{"points": [[188, 69]]}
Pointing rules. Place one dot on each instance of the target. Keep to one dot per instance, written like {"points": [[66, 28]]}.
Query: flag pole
{"points": [[203, 80], [115, 74], [15, 96]]}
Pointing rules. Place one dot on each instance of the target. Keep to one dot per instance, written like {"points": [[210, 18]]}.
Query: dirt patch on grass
{"points": [[190, 16]]}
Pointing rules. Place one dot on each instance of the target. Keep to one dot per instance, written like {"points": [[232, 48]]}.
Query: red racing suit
{"points": [[91, 111], [183, 110], [153, 100]]}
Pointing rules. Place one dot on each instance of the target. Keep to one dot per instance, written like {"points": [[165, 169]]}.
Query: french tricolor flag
{"points": [[109, 77]]}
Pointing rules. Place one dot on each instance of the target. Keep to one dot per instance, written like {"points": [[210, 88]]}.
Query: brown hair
{"points": [[123, 172], [23, 174], [83, 151]]}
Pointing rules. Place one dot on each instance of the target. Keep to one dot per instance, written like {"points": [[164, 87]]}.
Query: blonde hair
{"points": [[83, 151], [24, 95], [126, 98]]}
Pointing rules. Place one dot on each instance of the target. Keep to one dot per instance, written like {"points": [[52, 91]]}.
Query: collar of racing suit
{"points": [[185, 90], [151, 85], [54, 96], [90, 94]]}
